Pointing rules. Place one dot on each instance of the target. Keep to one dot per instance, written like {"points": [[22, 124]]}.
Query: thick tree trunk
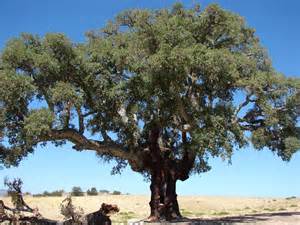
{"points": [[155, 202], [165, 171], [171, 203], [163, 204], [157, 176]]}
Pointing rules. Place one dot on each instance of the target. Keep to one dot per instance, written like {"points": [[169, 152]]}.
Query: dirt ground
{"points": [[278, 218], [222, 210]]}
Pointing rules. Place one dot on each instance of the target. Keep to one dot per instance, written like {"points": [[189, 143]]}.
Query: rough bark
{"points": [[164, 171], [156, 176], [163, 204], [171, 203]]}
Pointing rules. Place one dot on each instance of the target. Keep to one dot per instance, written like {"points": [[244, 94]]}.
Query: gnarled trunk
{"points": [[163, 204], [171, 203], [165, 170]]}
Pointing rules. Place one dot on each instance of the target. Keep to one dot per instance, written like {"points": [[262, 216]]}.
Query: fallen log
{"points": [[23, 214], [100, 217]]}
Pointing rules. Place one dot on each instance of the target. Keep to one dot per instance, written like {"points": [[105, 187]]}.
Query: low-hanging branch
{"points": [[83, 143]]}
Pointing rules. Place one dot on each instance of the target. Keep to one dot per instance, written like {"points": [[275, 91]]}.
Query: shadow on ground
{"points": [[246, 219], [291, 218]]}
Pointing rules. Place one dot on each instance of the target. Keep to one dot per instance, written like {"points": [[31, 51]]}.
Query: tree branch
{"points": [[184, 115], [88, 113], [187, 162], [83, 143], [80, 120], [245, 103], [251, 126]]}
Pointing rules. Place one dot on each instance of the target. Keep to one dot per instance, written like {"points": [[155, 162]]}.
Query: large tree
{"points": [[160, 90]]}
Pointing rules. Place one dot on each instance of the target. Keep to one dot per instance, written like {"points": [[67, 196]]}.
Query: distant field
{"points": [[136, 206]]}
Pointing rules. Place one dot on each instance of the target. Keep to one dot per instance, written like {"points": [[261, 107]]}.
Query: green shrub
{"points": [[38, 195], [57, 193], [116, 192], [77, 191], [104, 191], [93, 191], [291, 197]]}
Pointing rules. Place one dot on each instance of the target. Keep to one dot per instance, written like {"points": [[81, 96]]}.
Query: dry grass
{"points": [[136, 206]]}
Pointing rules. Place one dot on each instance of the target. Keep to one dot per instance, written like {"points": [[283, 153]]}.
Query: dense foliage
{"points": [[116, 193], [77, 191], [92, 191], [57, 193]]}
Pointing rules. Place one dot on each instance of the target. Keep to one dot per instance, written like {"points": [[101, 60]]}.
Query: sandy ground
{"points": [[277, 211]]}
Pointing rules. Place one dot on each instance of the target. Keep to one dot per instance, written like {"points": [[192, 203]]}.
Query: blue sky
{"points": [[252, 173]]}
